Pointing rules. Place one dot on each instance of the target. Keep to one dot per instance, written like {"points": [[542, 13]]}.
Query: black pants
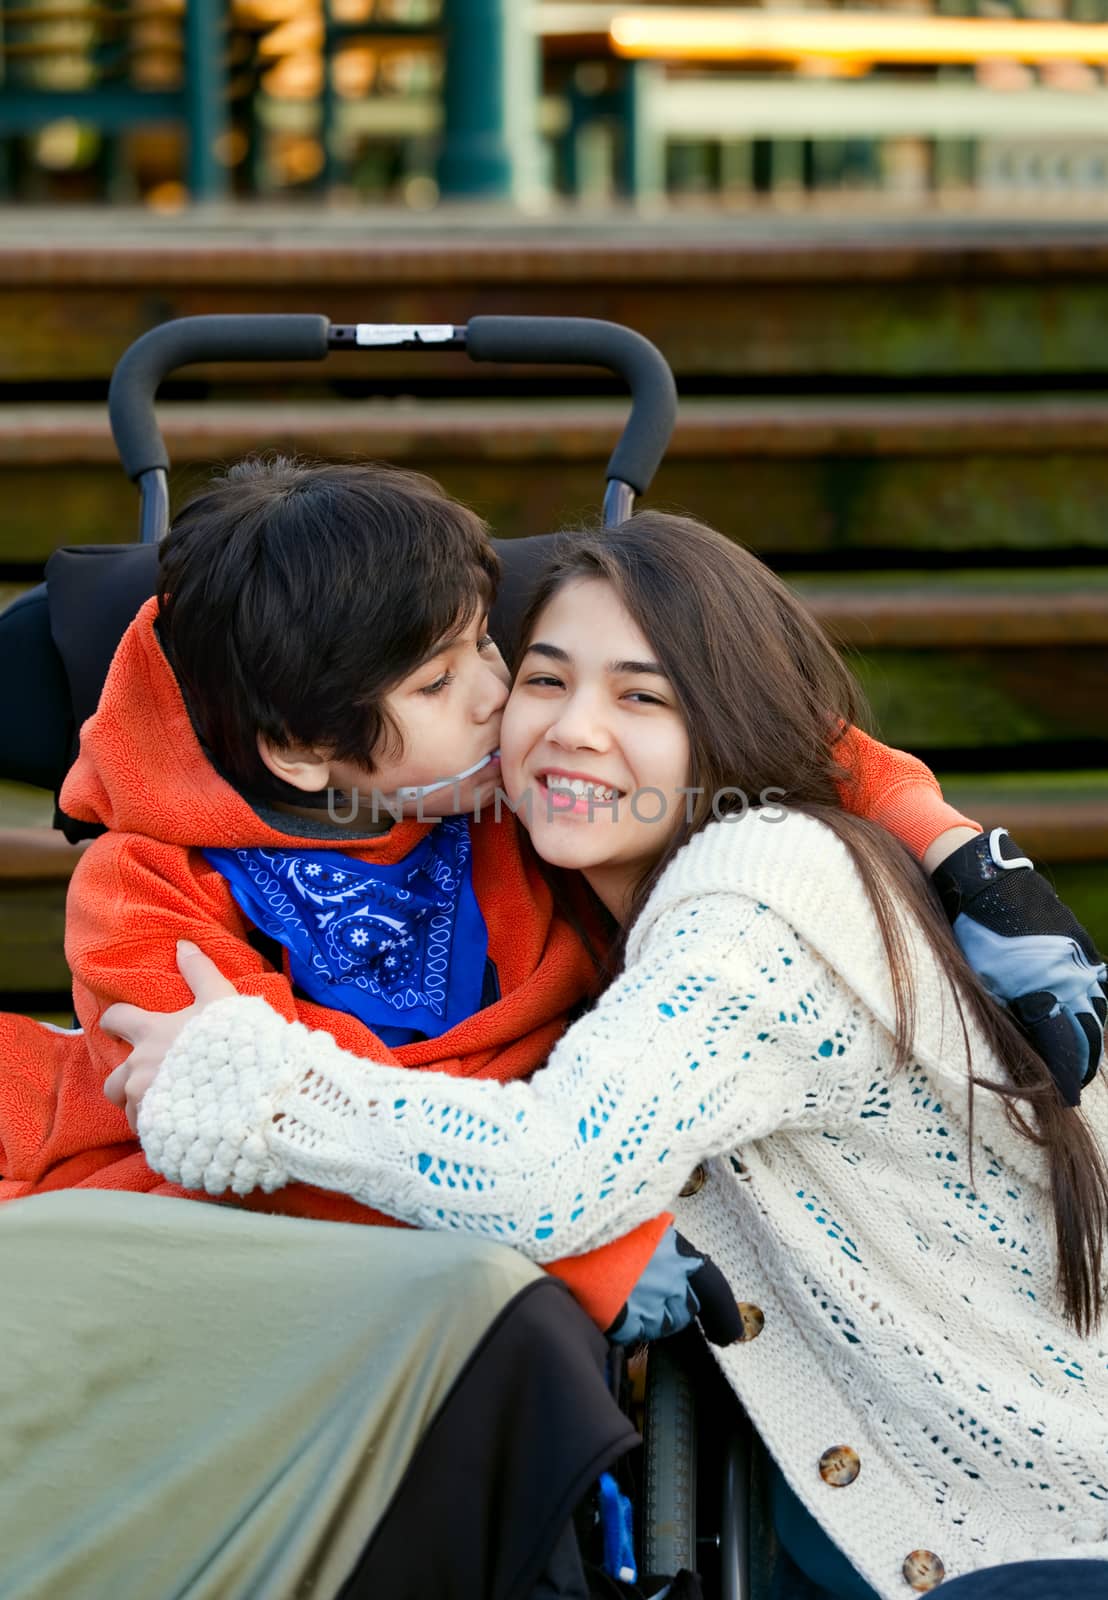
{"points": [[482, 1511], [1022, 1580]]}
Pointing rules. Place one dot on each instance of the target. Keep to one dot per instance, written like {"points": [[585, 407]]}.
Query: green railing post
{"points": [[328, 101], [643, 165], [490, 101], [205, 95]]}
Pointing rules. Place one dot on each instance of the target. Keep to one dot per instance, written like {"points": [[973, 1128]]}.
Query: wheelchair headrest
{"points": [[57, 642], [94, 592], [35, 706]]}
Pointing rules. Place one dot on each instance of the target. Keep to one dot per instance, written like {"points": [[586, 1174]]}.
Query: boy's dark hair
{"points": [[293, 596]]}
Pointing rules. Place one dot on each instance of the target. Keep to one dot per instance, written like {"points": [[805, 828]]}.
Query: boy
{"points": [[323, 629]]}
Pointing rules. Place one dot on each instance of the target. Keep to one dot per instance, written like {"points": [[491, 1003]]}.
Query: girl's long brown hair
{"points": [[765, 699]]}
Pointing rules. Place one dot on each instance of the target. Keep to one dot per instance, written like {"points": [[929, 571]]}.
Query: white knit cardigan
{"points": [[909, 1306]]}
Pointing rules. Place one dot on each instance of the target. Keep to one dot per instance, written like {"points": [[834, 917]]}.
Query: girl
{"points": [[890, 1178]]}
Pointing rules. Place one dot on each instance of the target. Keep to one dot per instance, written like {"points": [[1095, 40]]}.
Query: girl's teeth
{"points": [[580, 789]]}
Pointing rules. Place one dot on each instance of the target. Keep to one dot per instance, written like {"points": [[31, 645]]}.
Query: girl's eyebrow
{"points": [[556, 653], [651, 668]]}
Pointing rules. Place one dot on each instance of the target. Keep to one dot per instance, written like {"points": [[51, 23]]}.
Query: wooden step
{"points": [[975, 660], [817, 475], [1061, 819], [980, 610], [979, 701], [964, 693], [722, 297], [997, 609], [37, 855], [1057, 817], [585, 428], [32, 940]]}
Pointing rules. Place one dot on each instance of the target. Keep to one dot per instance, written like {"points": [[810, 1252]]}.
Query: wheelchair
{"points": [[695, 1485]]}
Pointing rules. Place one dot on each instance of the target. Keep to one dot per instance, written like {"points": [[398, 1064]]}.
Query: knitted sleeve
{"points": [[724, 1027], [897, 790]]}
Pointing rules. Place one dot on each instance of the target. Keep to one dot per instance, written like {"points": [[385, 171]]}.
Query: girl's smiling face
{"points": [[594, 749]]}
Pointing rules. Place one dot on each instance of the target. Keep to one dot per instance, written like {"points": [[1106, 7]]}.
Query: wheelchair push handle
{"points": [[569, 341], [141, 369], [589, 342]]}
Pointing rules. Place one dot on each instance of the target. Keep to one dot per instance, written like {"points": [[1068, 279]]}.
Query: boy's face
{"points": [[447, 713]]}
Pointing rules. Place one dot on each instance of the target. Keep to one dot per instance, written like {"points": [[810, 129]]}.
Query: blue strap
{"points": [[616, 1526]]}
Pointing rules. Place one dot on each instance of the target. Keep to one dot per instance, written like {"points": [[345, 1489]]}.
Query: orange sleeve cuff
{"points": [[600, 1280], [896, 790], [917, 815]]}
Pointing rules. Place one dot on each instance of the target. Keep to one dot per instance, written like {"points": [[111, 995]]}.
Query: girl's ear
{"points": [[305, 767]]}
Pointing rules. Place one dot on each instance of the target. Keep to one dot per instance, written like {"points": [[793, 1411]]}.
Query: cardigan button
{"points": [[839, 1466], [753, 1320], [923, 1570], [694, 1182]]}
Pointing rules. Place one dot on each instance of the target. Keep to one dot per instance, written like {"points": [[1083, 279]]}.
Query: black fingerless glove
{"points": [[1030, 952], [678, 1284]]}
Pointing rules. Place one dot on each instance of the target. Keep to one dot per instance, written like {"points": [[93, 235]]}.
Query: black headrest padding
{"points": [[521, 564], [95, 591], [34, 696]]}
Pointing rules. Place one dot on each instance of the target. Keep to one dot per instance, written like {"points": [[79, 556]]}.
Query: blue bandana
{"points": [[402, 947]]}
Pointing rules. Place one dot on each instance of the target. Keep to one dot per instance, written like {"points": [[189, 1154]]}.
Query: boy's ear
{"points": [[303, 766]]}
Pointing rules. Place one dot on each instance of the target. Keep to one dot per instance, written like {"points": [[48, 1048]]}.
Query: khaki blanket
{"points": [[198, 1403]]}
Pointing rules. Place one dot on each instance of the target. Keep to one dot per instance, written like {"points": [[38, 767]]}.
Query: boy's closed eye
{"points": [[485, 643], [439, 684]]}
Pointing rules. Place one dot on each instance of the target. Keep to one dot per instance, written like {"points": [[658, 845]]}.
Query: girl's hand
{"points": [[153, 1032]]}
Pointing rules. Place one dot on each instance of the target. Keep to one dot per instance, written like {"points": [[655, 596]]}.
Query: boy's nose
{"points": [[494, 691]]}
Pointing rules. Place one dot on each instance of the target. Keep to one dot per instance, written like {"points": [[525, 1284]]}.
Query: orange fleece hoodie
{"points": [[145, 884]]}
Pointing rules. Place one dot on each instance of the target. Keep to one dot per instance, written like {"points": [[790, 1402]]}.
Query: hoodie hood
{"points": [[141, 768]]}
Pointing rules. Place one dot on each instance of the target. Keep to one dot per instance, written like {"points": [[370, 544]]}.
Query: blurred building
{"points": [[949, 104]]}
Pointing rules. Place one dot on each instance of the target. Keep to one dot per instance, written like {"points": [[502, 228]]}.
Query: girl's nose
{"points": [[578, 727]]}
